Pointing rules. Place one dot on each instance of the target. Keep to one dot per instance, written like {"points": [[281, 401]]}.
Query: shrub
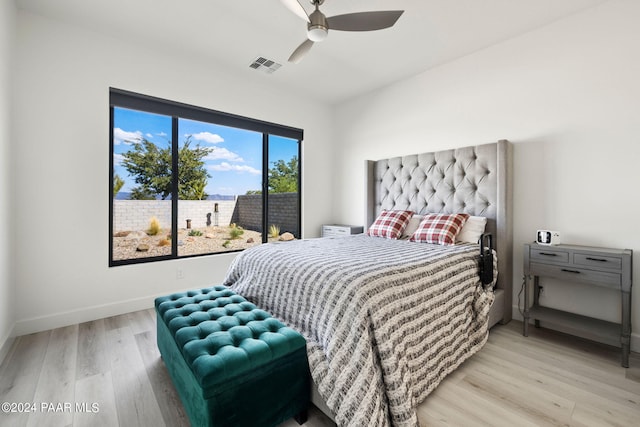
{"points": [[235, 231], [164, 242], [154, 227], [274, 231], [226, 243], [195, 233]]}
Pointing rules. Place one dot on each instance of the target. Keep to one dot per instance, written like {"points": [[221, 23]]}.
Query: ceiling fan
{"points": [[318, 24]]}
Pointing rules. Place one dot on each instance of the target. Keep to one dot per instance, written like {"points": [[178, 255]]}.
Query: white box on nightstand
{"points": [[337, 230]]}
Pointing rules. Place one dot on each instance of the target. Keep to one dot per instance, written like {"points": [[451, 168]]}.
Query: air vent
{"points": [[264, 64]]}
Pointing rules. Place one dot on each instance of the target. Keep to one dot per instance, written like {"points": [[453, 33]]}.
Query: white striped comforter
{"points": [[385, 320]]}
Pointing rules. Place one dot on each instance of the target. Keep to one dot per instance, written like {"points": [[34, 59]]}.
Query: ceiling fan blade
{"points": [[295, 7], [364, 21], [301, 51]]}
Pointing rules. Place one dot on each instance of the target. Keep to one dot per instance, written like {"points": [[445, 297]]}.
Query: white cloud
{"points": [[224, 167], [123, 137], [221, 153], [211, 138], [148, 135], [117, 159]]}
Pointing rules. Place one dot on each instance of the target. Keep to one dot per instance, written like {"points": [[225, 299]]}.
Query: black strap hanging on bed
{"points": [[486, 259]]}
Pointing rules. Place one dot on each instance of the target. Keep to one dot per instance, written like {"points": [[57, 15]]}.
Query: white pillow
{"points": [[412, 226], [471, 230]]}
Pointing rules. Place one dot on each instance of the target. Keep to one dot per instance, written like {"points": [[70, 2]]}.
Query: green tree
{"points": [[150, 166], [283, 176], [198, 192], [117, 184], [192, 172]]}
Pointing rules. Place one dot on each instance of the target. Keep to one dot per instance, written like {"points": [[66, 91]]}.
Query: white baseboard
{"points": [[85, 314], [6, 342], [635, 338]]}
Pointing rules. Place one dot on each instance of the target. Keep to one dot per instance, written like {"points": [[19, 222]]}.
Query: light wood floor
{"points": [[108, 373]]}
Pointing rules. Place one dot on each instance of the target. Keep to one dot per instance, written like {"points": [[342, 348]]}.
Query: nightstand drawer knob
{"points": [[596, 259], [566, 270], [548, 254]]}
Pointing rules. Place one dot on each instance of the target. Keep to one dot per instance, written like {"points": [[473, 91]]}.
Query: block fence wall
{"points": [[135, 215], [283, 212], [246, 211]]}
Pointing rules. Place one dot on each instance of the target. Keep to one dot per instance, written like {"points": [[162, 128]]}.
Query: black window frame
{"points": [[119, 98]]}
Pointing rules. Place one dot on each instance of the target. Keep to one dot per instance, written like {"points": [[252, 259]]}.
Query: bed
{"points": [[387, 319]]}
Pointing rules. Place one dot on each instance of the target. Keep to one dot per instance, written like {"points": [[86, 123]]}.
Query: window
{"points": [[188, 181]]}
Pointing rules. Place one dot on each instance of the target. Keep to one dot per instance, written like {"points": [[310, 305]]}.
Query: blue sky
{"points": [[235, 165]]}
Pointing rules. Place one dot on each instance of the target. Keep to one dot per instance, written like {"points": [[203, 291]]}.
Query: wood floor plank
{"points": [[537, 405], [170, 405], [586, 415], [92, 349], [135, 402], [141, 321], [444, 411], [24, 360], [116, 322], [19, 374], [56, 386], [95, 402]]}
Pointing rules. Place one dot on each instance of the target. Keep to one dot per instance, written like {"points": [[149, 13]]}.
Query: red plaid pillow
{"points": [[390, 224], [439, 228]]}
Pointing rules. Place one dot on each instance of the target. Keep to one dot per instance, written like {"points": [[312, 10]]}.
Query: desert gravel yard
{"points": [[138, 244]]}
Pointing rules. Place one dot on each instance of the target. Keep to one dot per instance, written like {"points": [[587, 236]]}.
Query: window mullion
{"points": [[265, 187], [299, 186], [174, 186]]}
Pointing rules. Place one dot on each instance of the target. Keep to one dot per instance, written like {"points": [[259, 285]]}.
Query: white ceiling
{"points": [[231, 33]]}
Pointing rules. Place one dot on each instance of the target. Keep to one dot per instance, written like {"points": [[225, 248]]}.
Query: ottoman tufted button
{"points": [[232, 309], [207, 305], [228, 322], [239, 334], [246, 305], [198, 317], [273, 324], [245, 317], [258, 327], [216, 312]]}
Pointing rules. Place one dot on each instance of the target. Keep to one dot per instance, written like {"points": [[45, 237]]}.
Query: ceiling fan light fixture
{"points": [[317, 33]]}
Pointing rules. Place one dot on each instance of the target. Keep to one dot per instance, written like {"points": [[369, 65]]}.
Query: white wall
{"points": [[61, 151], [7, 20], [567, 95]]}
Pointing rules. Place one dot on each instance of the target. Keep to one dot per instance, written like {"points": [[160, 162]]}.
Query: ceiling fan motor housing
{"points": [[318, 28]]}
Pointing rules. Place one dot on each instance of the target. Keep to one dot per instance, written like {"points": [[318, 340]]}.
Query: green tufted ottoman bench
{"points": [[231, 362]]}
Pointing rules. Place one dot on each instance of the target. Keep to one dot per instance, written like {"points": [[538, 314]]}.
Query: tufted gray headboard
{"points": [[474, 180]]}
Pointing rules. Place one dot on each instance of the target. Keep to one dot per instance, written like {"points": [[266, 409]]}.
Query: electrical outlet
{"points": [[179, 274]]}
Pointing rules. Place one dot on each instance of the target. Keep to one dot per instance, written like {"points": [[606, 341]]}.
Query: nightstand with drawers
{"points": [[589, 266], [337, 230]]}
